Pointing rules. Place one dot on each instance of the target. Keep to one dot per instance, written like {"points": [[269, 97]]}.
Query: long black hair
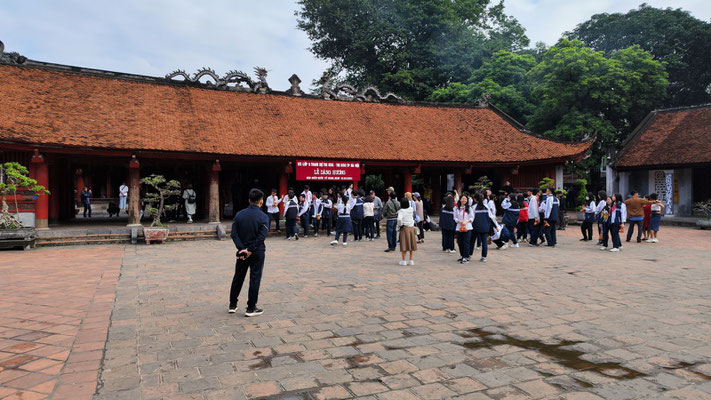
{"points": [[449, 203], [466, 204], [479, 200]]}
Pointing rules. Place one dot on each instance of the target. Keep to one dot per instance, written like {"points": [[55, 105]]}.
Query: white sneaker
{"points": [[655, 240], [411, 262], [483, 259], [345, 243], [603, 248], [615, 249], [622, 247], [515, 246], [334, 242], [403, 262]]}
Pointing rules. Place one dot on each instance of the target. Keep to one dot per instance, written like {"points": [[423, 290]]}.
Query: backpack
{"points": [[191, 197]]}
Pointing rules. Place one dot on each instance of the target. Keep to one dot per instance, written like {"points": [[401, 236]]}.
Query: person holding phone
{"points": [[249, 229]]}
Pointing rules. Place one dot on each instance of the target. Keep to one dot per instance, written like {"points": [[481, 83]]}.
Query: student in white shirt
{"points": [[369, 218], [316, 212], [272, 203], [408, 237], [123, 195], [303, 215]]}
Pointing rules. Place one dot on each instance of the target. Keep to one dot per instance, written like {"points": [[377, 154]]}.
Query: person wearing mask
{"points": [[390, 214], [273, 209], [378, 212], [406, 227], [249, 229], [447, 224]]}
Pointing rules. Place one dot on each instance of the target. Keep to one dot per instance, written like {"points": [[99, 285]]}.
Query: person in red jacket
{"points": [[522, 227]]}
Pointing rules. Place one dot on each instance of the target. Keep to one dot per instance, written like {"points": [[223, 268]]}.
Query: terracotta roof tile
{"points": [[41, 106], [670, 137]]}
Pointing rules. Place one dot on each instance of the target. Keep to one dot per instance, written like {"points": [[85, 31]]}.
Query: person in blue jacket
{"points": [[551, 209], [249, 229], [447, 224], [357, 215]]}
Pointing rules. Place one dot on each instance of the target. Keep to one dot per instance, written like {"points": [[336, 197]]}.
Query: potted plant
{"points": [[704, 208], [155, 206], [582, 200], [14, 176]]}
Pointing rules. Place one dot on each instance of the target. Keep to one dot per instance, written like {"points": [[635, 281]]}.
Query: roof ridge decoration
{"points": [[12, 57], [233, 80], [348, 92]]}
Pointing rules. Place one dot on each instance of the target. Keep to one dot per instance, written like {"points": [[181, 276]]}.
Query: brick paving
{"points": [[55, 306], [351, 323]]}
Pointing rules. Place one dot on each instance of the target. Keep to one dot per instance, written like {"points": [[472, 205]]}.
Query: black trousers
{"points": [[326, 223], [512, 233], [255, 264], [290, 227], [87, 207], [275, 217], [463, 239], [549, 231], [534, 229], [305, 222], [316, 222], [630, 229], [376, 222], [421, 230], [586, 230], [615, 234], [522, 230], [368, 226], [447, 239], [357, 228]]}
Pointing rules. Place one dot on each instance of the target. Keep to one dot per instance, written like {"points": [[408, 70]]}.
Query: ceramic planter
{"points": [[155, 234]]}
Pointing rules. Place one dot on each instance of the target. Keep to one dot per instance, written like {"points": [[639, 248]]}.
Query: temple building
{"points": [[77, 127], [669, 153]]}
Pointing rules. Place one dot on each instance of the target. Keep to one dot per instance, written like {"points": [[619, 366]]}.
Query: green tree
{"points": [[155, 201], [13, 177], [410, 47], [672, 36], [583, 93], [504, 77]]}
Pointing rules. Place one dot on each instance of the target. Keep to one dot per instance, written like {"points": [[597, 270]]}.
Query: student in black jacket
{"points": [[249, 229]]}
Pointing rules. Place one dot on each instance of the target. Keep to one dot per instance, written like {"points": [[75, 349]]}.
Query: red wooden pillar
{"points": [[213, 213], [42, 204], [54, 203], [134, 193], [284, 184], [407, 176], [436, 193], [458, 181], [79, 185]]}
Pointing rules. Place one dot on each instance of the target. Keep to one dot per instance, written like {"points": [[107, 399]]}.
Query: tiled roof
{"points": [[41, 106], [670, 137]]}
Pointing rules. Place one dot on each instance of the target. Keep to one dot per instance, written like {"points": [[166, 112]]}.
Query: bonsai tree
{"points": [[155, 201], [703, 207], [546, 183], [483, 182], [13, 176]]}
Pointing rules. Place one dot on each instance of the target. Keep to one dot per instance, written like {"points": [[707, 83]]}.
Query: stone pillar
{"points": [[213, 214], [407, 180], [42, 204], [78, 185], [624, 184], [458, 181], [134, 193]]}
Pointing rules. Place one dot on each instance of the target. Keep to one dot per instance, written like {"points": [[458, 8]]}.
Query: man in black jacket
{"points": [[249, 229]]}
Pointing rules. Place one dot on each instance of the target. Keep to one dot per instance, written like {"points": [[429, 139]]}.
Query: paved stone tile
{"points": [[55, 305]]}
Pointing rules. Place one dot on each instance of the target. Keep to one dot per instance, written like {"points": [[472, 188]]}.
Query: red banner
{"points": [[314, 170]]}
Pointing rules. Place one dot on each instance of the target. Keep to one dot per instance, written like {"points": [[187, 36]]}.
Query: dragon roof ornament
{"points": [[232, 80], [12, 57]]}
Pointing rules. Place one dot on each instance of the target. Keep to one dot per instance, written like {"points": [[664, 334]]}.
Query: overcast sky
{"points": [[154, 37]]}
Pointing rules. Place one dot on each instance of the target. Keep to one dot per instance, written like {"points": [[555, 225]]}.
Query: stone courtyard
{"points": [[151, 322]]}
